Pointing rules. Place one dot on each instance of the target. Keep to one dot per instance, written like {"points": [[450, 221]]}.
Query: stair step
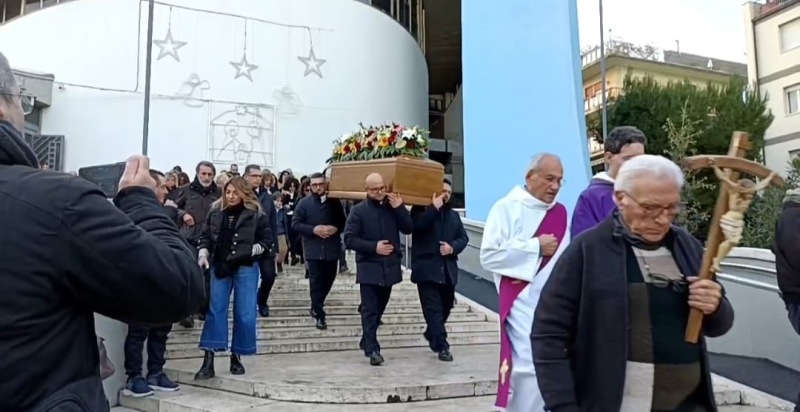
{"points": [[330, 344], [409, 375], [344, 320], [337, 286], [197, 399], [307, 332], [338, 294], [280, 302], [302, 310]]}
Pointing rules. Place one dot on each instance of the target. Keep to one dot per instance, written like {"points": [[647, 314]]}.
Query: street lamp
{"points": [[147, 74], [603, 73]]}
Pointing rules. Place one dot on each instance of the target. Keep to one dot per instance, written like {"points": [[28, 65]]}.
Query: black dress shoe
{"points": [[295, 261], [445, 356], [201, 317], [321, 324], [263, 311], [207, 370], [375, 359], [236, 365]]}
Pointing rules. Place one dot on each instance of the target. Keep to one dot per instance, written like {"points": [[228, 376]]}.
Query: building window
{"points": [[792, 99], [384, 5], [794, 154], [790, 35]]}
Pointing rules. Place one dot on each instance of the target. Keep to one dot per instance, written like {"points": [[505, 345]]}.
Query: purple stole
{"points": [[555, 223]]}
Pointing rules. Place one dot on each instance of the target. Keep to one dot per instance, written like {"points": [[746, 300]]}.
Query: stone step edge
{"points": [[336, 339], [723, 396]]}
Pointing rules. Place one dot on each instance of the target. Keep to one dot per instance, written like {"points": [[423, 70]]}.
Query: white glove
{"points": [[202, 258], [257, 249]]}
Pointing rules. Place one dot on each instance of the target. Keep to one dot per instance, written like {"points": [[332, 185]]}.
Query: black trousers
{"points": [[267, 268], [374, 299], [437, 301], [321, 275], [156, 338]]}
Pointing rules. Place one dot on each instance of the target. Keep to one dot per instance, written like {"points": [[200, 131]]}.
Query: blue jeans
{"points": [[215, 330]]}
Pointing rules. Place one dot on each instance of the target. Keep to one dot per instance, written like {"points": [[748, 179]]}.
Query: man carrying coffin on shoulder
{"points": [[525, 233]]}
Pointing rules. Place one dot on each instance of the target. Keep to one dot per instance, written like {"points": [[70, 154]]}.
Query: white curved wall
{"points": [[374, 72]]}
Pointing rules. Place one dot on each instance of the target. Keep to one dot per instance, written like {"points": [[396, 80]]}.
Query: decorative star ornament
{"points": [[169, 47], [244, 69], [313, 64]]}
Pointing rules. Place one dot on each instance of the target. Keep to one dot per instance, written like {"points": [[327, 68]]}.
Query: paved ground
{"points": [[761, 374]]}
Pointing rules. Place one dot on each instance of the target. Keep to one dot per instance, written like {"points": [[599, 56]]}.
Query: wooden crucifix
{"points": [[727, 223]]}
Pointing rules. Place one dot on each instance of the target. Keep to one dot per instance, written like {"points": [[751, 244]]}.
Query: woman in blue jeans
{"points": [[235, 234]]}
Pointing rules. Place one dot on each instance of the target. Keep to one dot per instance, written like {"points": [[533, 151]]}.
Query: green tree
{"points": [[681, 141], [713, 113], [766, 208]]}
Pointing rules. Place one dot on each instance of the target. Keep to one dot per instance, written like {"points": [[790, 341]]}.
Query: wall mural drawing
{"points": [[191, 91], [242, 133], [289, 102]]}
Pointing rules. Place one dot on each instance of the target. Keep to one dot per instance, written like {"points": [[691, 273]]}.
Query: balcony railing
{"points": [[595, 102], [772, 5], [621, 48]]}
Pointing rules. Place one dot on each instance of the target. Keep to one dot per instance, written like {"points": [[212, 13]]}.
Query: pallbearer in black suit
{"points": [[372, 230], [439, 237], [320, 222]]}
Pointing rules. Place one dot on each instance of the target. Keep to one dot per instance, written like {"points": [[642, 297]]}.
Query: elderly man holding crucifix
{"points": [[608, 333]]}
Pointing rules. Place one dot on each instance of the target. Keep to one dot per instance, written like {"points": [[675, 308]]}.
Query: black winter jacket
{"points": [[370, 222], [271, 215], [432, 226], [251, 228], [67, 253], [196, 200], [580, 328], [786, 247], [310, 212]]}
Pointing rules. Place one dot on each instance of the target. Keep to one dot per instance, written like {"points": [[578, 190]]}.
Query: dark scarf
{"points": [[622, 230], [230, 217], [203, 190], [13, 149]]}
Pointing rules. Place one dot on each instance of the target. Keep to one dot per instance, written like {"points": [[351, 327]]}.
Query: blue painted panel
{"points": [[523, 94]]}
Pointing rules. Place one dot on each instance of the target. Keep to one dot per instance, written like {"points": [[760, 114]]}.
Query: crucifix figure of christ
{"points": [[727, 223]]}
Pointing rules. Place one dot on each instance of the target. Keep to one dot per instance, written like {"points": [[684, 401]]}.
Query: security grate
{"points": [[49, 149]]}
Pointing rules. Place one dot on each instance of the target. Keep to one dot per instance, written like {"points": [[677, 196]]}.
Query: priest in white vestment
{"points": [[525, 233]]}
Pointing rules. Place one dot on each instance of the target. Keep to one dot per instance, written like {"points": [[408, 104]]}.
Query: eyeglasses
{"points": [[663, 281], [651, 210], [376, 189], [26, 101]]}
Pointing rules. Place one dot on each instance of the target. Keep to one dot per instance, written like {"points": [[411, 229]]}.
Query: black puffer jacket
{"points": [[786, 248], [252, 227]]}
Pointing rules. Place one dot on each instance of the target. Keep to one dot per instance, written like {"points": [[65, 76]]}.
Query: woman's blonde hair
{"points": [[222, 178], [245, 192]]}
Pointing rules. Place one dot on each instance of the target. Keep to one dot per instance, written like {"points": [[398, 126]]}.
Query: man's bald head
{"points": [[376, 188], [10, 105]]}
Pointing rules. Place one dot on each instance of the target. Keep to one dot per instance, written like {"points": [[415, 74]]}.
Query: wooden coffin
{"points": [[415, 179]]}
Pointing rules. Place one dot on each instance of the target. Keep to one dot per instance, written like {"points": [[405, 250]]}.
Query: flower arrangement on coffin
{"points": [[381, 142]]}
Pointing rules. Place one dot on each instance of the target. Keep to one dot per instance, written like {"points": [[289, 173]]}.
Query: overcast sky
{"points": [[712, 28]]}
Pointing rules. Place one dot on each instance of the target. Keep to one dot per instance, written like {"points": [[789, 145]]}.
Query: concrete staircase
{"points": [[299, 368]]}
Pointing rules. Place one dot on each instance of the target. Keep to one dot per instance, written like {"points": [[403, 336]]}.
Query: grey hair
{"points": [[657, 167], [536, 161], [8, 81]]}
